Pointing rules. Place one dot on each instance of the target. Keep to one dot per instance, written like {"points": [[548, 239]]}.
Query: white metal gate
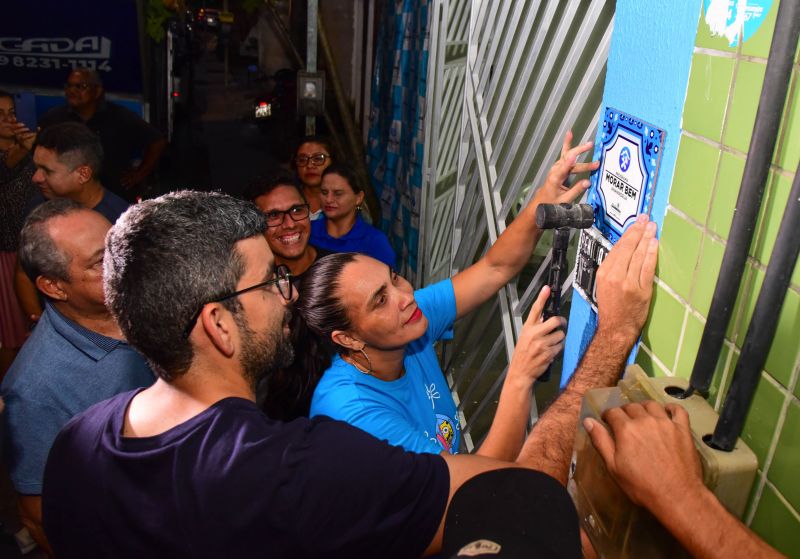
{"points": [[506, 80]]}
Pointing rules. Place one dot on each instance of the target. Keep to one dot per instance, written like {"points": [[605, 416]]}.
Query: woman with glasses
{"points": [[311, 158], [16, 189], [370, 336], [342, 229]]}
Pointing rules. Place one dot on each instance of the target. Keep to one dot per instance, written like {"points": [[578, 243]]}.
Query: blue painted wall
{"points": [[648, 71]]}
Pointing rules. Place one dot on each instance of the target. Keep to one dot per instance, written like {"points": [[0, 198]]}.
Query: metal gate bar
{"points": [[506, 81]]}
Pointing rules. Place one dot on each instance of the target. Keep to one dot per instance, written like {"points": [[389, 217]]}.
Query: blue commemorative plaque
{"points": [[623, 186]]}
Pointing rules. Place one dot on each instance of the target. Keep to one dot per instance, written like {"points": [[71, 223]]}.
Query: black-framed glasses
{"points": [[282, 279], [317, 159], [83, 86], [297, 213]]}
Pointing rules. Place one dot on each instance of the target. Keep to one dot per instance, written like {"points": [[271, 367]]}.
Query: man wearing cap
{"points": [[191, 467]]}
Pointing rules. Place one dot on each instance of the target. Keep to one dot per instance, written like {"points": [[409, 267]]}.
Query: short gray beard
{"points": [[262, 355]]}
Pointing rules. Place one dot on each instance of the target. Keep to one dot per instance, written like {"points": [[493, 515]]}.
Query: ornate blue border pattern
{"points": [[623, 186]]}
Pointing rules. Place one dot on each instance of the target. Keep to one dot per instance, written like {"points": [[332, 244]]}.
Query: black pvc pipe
{"points": [[762, 144], [762, 327]]}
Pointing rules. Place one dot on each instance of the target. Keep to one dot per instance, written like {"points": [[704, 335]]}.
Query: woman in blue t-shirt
{"points": [[370, 337], [341, 229]]}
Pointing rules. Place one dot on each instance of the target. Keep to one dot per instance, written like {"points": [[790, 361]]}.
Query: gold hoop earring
{"points": [[369, 370]]}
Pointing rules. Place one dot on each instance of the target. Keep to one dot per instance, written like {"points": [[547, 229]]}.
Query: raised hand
{"points": [[131, 178], [23, 135], [555, 189]]}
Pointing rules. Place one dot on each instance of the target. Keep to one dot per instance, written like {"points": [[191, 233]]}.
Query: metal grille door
{"points": [[506, 81]]}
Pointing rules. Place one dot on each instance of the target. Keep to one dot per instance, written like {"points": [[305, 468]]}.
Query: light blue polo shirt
{"points": [[61, 370]]}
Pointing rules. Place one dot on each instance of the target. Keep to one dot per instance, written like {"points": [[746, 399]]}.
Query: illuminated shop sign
{"points": [[38, 51]]}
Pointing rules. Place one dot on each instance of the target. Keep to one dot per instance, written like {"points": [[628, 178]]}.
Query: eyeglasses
{"points": [[297, 213], [83, 86], [317, 159], [283, 279]]}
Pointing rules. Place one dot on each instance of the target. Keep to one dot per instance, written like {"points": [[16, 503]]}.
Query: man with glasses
{"points": [[283, 395], [125, 137], [288, 224], [191, 467]]}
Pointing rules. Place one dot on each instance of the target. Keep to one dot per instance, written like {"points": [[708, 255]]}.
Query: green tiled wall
{"points": [[720, 108]]}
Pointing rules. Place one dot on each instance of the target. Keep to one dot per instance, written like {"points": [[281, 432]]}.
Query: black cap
{"points": [[512, 513]]}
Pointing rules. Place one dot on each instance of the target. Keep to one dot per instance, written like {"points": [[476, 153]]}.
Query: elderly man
{"points": [[68, 158], [288, 222], [75, 357], [194, 469], [125, 137]]}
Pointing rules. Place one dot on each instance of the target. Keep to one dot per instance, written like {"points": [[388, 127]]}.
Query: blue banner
{"points": [[395, 146], [41, 41]]}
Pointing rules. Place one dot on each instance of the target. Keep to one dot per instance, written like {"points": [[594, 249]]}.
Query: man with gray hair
{"points": [[124, 135], [68, 159], [190, 467], [75, 357]]}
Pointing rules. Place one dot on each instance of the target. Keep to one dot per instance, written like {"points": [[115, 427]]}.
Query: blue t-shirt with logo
{"points": [[416, 411]]}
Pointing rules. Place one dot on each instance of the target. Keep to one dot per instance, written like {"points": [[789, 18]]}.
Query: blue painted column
{"points": [[648, 72]]}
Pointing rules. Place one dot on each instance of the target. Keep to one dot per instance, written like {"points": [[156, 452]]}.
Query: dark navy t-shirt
{"points": [[110, 206], [230, 482]]}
